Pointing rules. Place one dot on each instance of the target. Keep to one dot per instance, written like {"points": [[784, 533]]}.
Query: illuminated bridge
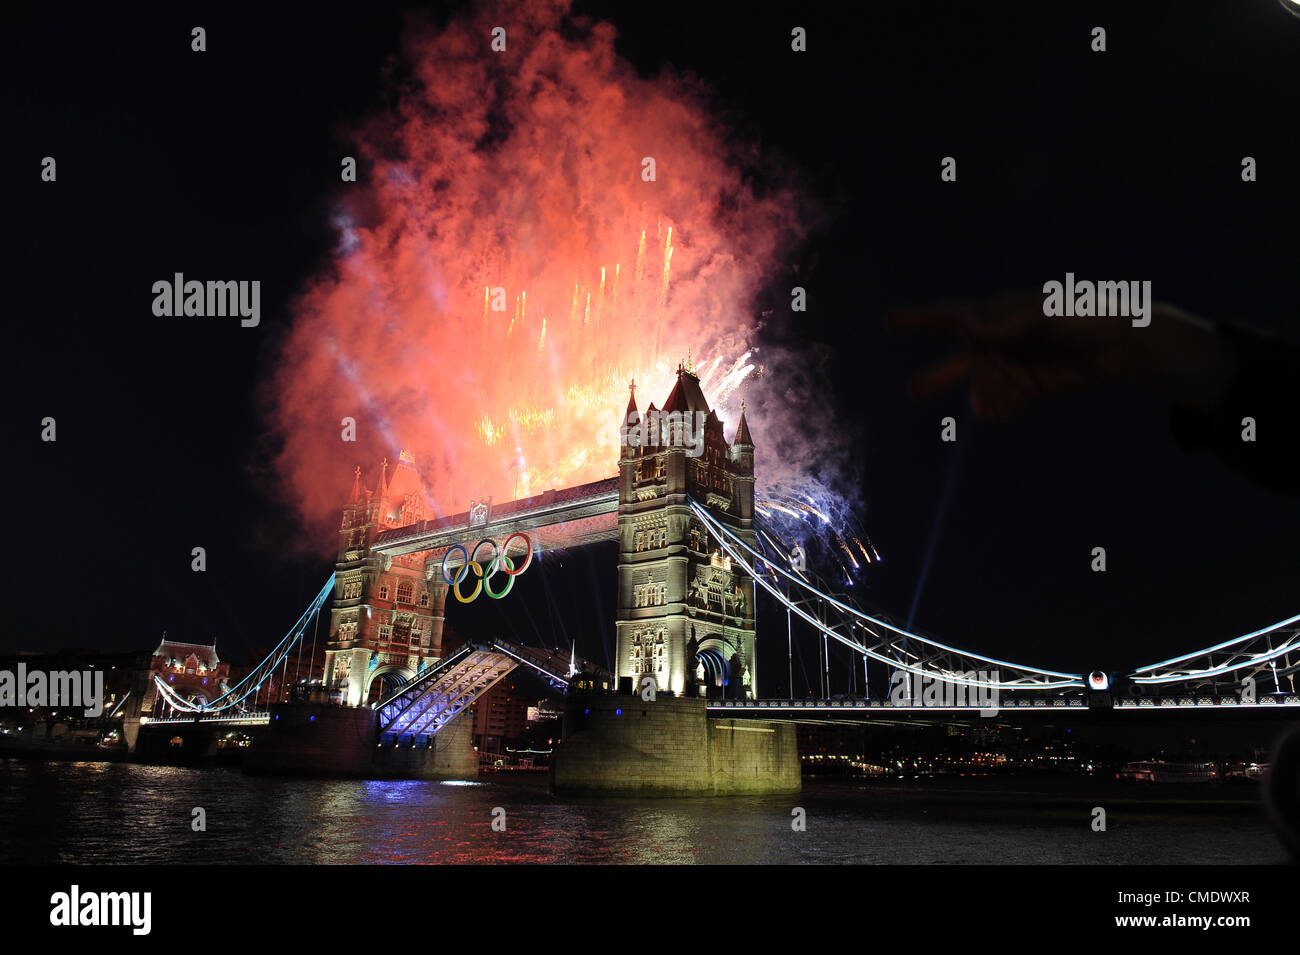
{"points": [[1211, 678], [693, 555]]}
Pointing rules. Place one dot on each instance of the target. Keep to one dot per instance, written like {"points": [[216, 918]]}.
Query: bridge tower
{"points": [[386, 618], [685, 615]]}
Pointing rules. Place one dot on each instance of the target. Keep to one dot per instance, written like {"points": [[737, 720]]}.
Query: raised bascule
{"points": [[680, 714]]}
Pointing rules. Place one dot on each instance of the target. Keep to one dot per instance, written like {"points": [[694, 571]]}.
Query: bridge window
{"points": [[385, 634], [424, 599], [383, 591], [663, 537], [650, 595], [404, 592], [402, 634], [639, 541]]}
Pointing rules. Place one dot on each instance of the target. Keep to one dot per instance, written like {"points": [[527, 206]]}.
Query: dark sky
{"points": [[1116, 165]]}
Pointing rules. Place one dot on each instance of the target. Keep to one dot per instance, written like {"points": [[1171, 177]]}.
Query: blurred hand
{"points": [[1015, 354]]}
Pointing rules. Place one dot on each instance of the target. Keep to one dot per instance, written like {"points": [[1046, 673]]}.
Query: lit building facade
{"points": [[685, 613], [387, 616]]}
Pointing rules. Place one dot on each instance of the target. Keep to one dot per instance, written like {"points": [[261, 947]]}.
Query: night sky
{"points": [[1118, 165]]}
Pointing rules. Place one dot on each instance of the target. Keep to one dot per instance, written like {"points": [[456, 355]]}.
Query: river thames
{"points": [[85, 813]]}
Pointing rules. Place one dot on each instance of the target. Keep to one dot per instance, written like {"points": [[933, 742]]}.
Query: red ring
{"points": [[528, 559]]}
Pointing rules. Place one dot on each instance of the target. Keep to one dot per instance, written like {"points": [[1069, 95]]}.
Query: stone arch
{"points": [[384, 679], [715, 654]]}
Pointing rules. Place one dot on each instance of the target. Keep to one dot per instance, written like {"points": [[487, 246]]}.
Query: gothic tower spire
{"points": [[742, 430]]}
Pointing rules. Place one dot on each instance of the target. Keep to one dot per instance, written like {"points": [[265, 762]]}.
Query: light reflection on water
{"points": [[123, 813]]}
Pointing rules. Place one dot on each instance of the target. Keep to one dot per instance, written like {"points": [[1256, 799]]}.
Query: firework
{"points": [[432, 238]]}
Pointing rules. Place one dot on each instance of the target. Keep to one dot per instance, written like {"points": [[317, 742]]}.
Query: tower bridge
{"points": [[690, 564]]}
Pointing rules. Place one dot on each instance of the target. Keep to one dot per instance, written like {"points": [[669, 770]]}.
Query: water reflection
{"points": [[120, 813]]}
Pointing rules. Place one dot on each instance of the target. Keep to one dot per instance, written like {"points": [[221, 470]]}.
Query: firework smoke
{"points": [[503, 270]]}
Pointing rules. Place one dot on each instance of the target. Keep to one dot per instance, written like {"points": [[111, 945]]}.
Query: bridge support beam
{"points": [[621, 745], [438, 608], [131, 732]]}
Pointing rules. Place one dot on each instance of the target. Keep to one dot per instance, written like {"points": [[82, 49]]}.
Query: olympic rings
{"points": [[500, 561]]}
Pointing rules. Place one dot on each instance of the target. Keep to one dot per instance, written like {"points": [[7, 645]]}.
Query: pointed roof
{"points": [[356, 486], [713, 425], [204, 653], [686, 394], [742, 429], [405, 480], [381, 489], [631, 401]]}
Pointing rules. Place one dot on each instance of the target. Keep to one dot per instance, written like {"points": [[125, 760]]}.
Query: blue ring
{"points": [[464, 567]]}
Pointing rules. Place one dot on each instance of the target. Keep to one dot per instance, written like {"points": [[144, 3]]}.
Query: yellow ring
{"points": [[478, 586]]}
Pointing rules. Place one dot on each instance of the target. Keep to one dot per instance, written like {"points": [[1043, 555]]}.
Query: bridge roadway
{"points": [[856, 711], [237, 719]]}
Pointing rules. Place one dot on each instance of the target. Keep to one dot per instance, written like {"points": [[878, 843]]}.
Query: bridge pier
{"points": [[621, 745], [322, 739], [131, 732]]}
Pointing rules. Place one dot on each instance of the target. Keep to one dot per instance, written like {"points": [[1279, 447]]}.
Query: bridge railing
{"points": [[248, 717]]}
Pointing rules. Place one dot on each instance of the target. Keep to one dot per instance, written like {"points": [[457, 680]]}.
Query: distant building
{"points": [[545, 710], [192, 670], [499, 714], [119, 669]]}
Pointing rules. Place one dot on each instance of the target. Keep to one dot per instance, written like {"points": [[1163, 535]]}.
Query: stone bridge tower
{"points": [[387, 615], [685, 614]]}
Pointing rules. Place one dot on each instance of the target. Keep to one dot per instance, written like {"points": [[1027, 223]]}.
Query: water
{"points": [[126, 813]]}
